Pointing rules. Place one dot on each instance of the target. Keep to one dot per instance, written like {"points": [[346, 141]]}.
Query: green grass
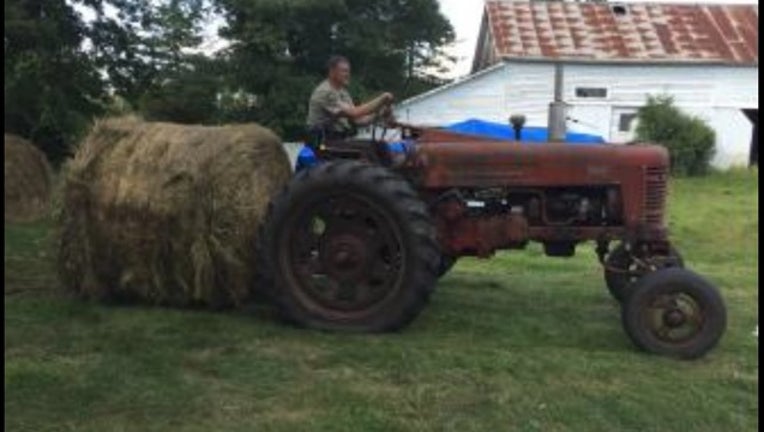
{"points": [[521, 342]]}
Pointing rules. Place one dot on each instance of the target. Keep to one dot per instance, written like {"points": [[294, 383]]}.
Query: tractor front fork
{"points": [[602, 249], [648, 256]]}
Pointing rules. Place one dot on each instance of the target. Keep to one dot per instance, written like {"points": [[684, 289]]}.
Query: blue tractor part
{"points": [[306, 157]]}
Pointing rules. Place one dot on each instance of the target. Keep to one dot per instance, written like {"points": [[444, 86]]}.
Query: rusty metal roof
{"points": [[624, 31]]}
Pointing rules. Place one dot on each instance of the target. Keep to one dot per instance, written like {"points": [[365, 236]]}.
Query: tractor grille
{"points": [[655, 194]]}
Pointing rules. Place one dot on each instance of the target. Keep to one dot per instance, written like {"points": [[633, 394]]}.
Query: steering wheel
{"points": [[385, 113]]}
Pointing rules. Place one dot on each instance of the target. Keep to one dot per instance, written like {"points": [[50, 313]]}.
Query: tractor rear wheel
{"points": [[674, 312], [620, 261], [350, 246]]}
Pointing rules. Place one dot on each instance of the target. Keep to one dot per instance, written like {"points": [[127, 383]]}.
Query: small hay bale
{"points": [[27, 180], [166, 213]]}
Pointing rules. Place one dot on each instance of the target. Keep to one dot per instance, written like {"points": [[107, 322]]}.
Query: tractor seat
{"points": [[327, 145]]}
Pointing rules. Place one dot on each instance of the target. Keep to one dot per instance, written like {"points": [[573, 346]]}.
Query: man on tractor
{"points": [[331, 111]]}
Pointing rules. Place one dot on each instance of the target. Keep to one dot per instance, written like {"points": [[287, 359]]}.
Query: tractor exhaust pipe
{"points": [[517, 121], [557, 108]]}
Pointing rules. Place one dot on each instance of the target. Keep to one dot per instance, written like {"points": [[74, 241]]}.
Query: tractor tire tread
{"points": [[397, 196], [665, 281]]}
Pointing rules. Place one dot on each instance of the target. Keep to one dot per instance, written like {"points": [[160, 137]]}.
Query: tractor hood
{"points": [[484, 163]]}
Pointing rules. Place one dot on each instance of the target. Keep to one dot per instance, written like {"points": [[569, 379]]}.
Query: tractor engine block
{"points": [[478, 222]]}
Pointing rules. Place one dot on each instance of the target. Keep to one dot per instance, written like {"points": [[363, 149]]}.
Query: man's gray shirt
{"points": [[324, 107]]}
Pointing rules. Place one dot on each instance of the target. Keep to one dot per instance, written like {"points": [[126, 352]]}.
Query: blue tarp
{"points": [[528, 134], [498, 131]]}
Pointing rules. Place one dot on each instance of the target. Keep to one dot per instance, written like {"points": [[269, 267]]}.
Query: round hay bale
{"points": [[167, 213], [27, 180]]}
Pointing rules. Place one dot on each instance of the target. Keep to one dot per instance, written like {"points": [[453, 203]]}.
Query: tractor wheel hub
{"points": [[344, 256], [674, 318]]}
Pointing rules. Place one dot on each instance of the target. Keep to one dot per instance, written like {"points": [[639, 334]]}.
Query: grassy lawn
{"points": [[518, 343]]}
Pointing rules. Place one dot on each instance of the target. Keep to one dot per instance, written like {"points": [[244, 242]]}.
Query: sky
{"points": [[465, 16]]}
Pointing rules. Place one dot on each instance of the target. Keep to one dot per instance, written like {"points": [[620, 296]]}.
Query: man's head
{"points": [[339, 70]]}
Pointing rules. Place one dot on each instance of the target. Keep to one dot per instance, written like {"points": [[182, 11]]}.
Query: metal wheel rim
{"points": [[675, 318], [345, 225]]}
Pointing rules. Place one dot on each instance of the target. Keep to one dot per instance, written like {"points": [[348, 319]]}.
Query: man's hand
{"points": [[387, 115], [387, 98], [383, 100], [369, 108]]}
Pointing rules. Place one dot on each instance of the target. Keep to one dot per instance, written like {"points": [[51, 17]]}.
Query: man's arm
{"points": [[364, 120], [357, 113], [386, 115]]}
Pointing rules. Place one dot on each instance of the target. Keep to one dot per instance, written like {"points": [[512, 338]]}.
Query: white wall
{"points": [[716, 93], [479, 97], [733, 137]]}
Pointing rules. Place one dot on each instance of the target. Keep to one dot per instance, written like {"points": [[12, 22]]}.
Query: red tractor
{"points": [[359, 241]]}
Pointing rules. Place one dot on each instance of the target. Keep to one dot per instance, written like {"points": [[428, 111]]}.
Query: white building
{"points": [[613, 56]]}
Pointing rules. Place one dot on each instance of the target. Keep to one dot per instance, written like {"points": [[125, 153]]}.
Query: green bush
{"points": [[689, 140]]}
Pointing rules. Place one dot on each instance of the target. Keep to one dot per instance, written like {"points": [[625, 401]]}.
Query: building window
{"points": [[591, 92], [625, 121]]}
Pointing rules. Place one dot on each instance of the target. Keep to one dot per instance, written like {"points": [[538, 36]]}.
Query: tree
{"points": [[145, 43], [185, 95], [61, 71], [279, 50], [689, 140], [51, 87]]}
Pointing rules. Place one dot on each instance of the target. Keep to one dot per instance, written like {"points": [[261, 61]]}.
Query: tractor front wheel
{"points": [[674, 312], [350, 246]]}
